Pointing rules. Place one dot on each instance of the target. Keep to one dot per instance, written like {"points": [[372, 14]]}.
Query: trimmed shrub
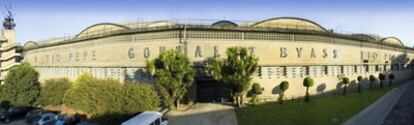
{"points": [[359, 78], [283, 86], [21, 86], [381, 77], [256, 90], [53, 91], [391, 77], [307, 82], [372, 79], [345, 80], [108, 100]]}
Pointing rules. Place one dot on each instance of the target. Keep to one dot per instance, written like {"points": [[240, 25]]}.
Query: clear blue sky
{"points": [[42, 19]]}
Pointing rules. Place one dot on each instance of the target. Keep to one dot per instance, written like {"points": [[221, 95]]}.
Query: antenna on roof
{"points": [[8, 22]]}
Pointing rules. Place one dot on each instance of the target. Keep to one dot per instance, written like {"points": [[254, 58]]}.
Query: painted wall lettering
{"points": [[162, 49], [198, 52], [283, 53], [57, 58], [216, 52], [313, 53], [93, 55], [252, 50], [335, 53], [77, 56], [47, 58], [85, 54], [146, 52], [179, 48], [131, 54], [70, 56], [299, 51], [325, 53]]}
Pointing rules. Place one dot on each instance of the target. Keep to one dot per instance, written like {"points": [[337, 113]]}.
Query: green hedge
{"points": [[53, 91], [108, 100]]}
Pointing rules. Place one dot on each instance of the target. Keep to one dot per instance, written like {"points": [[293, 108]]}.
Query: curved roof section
{"points": [[161, 24], [224, 23], [392, 41], [293, 23], [101, 28], [366, 36], [30, 44]]}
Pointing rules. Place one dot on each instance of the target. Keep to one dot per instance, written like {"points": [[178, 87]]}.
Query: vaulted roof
{"points": [[293, 23], [101, 28]]}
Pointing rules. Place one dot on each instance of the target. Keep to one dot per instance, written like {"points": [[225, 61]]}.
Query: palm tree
{"points": [[372, 79], [174, 76], [283, 86], [359, 84], [234, 71], [381, 77], [391, 77], [307, 82], [345, 80]]}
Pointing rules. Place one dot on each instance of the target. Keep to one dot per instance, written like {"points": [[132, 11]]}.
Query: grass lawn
{"points": [[330, 110]]}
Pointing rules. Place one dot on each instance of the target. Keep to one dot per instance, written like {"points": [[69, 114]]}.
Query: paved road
{"points": [[378, 112], [403, 111], [204, 114], [17, 122]]}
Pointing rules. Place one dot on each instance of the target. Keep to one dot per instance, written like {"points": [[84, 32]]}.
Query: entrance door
{"points": [[212, 91]]}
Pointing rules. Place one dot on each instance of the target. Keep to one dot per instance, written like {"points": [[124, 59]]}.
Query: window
{"points": [[269, 72], [372, 68], [356, 69], [260, 71], [334, 70], [47, 118], [307, 70], [158, 122]]}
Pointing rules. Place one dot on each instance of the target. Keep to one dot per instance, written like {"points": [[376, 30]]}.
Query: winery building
{"points": [[288, 48]]}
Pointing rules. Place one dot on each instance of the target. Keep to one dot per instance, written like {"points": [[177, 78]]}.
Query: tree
{"points": [[256, 90], [381, 77], [372, 79], [21, 86], [359, 84], [307, 82], [235, 71], [53, 91], [345, 80], [174, 74], [283, 86], [391, 77]]}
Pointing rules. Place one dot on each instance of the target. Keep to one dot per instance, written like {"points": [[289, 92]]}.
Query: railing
{"points": [[172, 23]]}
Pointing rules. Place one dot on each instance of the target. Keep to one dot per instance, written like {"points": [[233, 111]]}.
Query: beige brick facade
{"points": [[283, 56]]}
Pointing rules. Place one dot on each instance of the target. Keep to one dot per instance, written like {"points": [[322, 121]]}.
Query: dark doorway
{"points": [[212, 91]]}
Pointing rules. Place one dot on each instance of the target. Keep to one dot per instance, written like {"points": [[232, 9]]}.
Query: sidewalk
{"points": [[403, 111], [204, 114], [376, 113]]}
